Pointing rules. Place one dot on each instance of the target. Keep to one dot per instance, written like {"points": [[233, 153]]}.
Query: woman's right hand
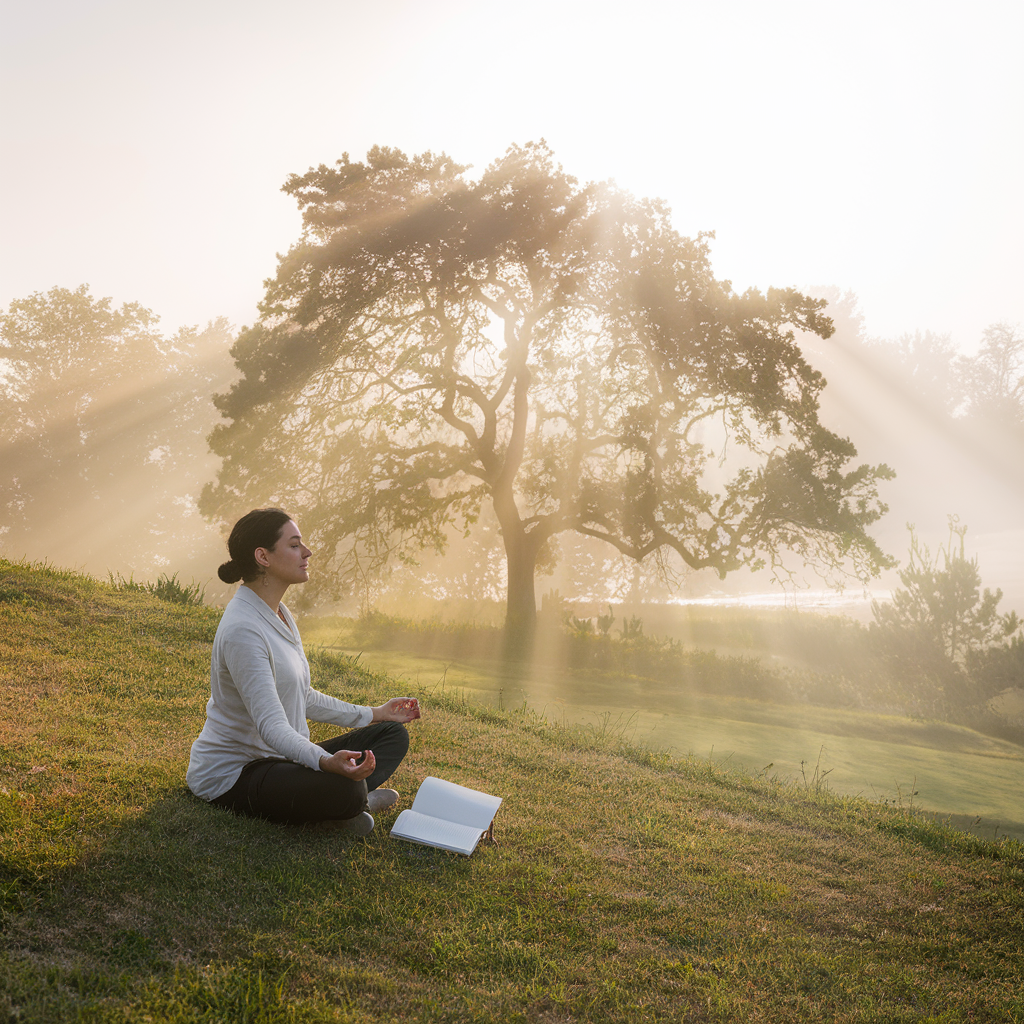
{"points": [[398, 709], [344, 763]]}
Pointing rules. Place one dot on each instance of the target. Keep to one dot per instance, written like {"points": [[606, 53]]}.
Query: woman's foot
{"points": [[360, 825], [381, 799]]}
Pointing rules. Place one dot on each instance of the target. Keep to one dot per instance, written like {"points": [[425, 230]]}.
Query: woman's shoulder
{"points": [[241, 614]]}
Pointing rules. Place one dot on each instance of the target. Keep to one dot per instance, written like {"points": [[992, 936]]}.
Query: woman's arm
{"points": [[322, 707], [347, 763]]}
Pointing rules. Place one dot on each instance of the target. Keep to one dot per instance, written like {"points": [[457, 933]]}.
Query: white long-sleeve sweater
{"points": [[260, 698]]}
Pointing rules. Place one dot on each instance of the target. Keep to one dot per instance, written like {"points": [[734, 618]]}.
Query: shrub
{"points": [[167, 588]]}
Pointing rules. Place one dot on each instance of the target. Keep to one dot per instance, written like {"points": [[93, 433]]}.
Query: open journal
{"points": [[447, 816]]}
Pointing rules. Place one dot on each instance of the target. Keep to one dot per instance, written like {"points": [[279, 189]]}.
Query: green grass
{"points": [[629, 885], [773, 657], [947, 769]]}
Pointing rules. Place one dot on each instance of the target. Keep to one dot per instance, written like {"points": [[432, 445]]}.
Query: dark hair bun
{"points": [[229, 572], [259, 528]]}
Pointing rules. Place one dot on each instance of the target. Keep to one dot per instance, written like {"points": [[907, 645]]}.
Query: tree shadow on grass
{"points": [[185, 887]]}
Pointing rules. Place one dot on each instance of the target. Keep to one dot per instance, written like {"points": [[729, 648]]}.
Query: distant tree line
{"points": [[104, 423], [985, 387], [950, 423]]}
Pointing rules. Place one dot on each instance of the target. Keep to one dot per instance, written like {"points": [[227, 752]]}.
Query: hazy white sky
{"points": [[874, 146]]}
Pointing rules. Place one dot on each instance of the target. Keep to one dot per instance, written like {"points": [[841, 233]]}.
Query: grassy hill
{"points": [[627, 886]]}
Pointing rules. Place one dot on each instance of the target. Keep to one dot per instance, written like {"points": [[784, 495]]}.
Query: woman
{"points": [[254, 755]]}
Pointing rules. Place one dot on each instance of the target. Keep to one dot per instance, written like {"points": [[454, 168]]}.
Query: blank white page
{"points": [[441, 799], [421, 828]]}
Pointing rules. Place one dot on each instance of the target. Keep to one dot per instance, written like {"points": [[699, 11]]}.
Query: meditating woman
{"points": [[254, 755]]}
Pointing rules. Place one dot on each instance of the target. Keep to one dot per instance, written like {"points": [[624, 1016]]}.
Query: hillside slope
{"points": [[627, 886]]}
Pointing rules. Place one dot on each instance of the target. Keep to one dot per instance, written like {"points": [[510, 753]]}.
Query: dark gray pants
{"points": [[293, 794]]}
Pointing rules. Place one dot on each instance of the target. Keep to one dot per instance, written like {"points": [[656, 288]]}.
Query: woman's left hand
{"points": [[398, 709], [348, 763]]}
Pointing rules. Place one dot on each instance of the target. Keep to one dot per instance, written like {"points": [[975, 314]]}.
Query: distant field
{"points": [[946, 769]]}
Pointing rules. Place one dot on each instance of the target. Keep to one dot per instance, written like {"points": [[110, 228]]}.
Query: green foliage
{"points": [[434, 342], [579, 647], [993, 379], [632, 628], [935, 629], [130, 585], [998, 667], [167, 588], [942, 600], [104, 424], [579, 627], [605, 622], [787, 657]]}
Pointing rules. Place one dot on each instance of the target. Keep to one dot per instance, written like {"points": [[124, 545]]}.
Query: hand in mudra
{"points": [[347, 763], [398, 709]]}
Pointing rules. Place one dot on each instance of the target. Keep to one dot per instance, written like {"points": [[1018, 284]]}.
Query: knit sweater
{"points": [[260, 698]]}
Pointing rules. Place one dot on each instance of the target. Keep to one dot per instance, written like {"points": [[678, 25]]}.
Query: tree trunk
{"points": [[521, 600]]}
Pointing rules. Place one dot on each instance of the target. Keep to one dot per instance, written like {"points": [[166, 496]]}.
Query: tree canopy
{"points": [[950, 423], [942, 634], [942, 602], [434, 341], [104, 423], [993, 379]]}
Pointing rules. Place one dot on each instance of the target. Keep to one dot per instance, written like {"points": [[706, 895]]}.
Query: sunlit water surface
{"points": [[853, 603]]}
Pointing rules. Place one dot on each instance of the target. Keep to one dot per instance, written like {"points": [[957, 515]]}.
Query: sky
{"points": [[872, 146]]}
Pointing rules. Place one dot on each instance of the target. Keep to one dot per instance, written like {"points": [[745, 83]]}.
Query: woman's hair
{"points": [[259, 528]]}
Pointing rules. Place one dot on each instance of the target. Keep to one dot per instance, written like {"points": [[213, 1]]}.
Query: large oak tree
{"points": [[434, 341]]}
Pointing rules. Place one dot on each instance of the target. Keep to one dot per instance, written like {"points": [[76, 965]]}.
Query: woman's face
{"points": [[289, 558]]}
